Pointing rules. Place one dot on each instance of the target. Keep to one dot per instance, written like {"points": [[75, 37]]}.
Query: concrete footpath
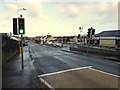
{"points": [[14, 77], [81, 78]]}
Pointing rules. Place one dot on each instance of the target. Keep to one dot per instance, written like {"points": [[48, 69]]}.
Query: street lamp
{"points": [[24, 9], [80, 28]]}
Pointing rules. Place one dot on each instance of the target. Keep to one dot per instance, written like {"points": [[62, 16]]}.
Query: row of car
{"points": [[55, 44]]}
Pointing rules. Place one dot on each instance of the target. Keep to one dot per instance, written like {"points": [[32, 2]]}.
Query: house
{"points": [[51, 38], [59, 39], [73, 39]]}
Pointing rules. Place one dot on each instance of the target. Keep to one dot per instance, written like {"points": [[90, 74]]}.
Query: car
{"points": [[49, 43], [57, 44], [25, 44]]}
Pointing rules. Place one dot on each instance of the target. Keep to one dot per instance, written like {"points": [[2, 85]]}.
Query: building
{"points": [[107, 38], [73, 39], [51, 38]]}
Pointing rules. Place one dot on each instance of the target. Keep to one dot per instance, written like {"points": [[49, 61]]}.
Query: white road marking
{"points": [[90, 67], [104, 72], [47, 84], [32, 45], [118, 62], [64, 71]]}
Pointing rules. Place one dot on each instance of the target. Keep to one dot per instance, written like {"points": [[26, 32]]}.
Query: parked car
{"points": [[25, 44], [49, 43], [57, 44]]}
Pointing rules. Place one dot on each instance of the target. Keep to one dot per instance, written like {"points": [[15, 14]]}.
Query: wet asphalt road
{"points": [[48, 59], [45, 59]]}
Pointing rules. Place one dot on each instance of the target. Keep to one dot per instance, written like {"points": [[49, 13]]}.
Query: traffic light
{"points": [[15, 26], [89, 32], [78, 35], [21, 26], [93, 31]]}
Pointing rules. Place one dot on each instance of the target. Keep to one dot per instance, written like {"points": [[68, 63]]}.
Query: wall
{"points": [[9, 48]]}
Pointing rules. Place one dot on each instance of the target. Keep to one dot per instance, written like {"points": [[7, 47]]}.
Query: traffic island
{"points": [[103, 52], [85, 77]]}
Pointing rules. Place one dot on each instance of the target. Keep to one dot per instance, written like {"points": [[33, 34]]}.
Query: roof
{"points": [[109, 33]]}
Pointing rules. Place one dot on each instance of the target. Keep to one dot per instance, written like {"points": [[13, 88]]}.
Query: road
{"points": [[40, 60], [48, 59]]}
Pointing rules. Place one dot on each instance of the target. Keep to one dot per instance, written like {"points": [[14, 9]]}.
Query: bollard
{"points": [[20, 50]]}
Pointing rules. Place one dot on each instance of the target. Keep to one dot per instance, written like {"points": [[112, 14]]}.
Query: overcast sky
{"points": [[60, 18]]}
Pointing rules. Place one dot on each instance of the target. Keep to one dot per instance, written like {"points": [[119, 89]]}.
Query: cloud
{"points": [[61, 18], [103, 6], [99, 12], [74, 9], [107, 12], [11, 6], [35, 10]]}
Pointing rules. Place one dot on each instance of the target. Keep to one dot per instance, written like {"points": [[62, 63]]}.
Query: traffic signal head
{"points": [[15, 26], [78, 35], [21, 26], [89, 31], [93, 31]]}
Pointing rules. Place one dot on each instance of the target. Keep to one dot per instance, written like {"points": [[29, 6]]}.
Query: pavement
{"points": [[14, 77]]}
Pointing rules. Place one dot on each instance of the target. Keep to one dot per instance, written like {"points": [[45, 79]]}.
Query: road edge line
{"points": [[46, 83], [64, 71], [104, 72]]}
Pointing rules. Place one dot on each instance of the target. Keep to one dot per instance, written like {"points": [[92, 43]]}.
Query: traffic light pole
{"points": [[88, 46], [22, 52], [20, 46], [89, 42]]}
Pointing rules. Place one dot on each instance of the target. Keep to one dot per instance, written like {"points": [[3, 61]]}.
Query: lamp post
{"points": [[21, 48], [80, 28]]}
